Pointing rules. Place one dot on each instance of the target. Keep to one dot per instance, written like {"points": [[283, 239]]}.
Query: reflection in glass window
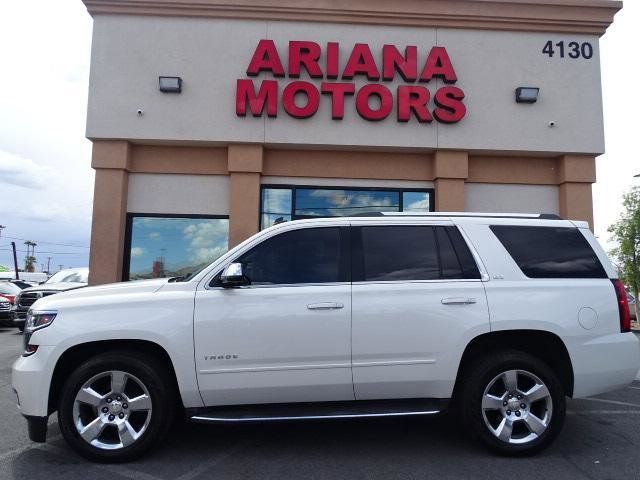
{"points": [[415, 201], [276, 206], [174, 247], [281, 204], [318, 202]]}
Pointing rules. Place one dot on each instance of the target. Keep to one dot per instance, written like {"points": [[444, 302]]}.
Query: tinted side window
{"points": [[549, 252], [299, 256], [465, 257], [399, 253], [448, 259]]}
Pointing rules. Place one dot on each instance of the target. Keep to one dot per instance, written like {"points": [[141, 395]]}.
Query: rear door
{"points": [[418, 299]]}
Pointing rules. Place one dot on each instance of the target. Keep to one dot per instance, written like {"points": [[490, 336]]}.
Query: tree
{"points": [[626, 232], [30, 259]]}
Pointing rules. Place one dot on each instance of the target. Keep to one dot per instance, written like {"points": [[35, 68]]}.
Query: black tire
{"points": [[21, 328], [472, 389], [155, 377]]}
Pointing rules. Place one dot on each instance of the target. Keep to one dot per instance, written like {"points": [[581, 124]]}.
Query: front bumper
{"points": [[6, 319], [31, 378], [18, 317], [37, 428]]}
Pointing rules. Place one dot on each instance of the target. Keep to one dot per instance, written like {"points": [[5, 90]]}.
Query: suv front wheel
{"points": [[514, 403], [116, 406]]}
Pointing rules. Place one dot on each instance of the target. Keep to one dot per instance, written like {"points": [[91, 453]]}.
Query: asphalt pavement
{"points": [[600, 440]]}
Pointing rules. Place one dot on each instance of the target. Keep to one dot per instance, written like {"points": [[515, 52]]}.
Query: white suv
{"points": [[502, 315]]}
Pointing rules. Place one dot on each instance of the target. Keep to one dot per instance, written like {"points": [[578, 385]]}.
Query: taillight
{"points": [[623, 306]]}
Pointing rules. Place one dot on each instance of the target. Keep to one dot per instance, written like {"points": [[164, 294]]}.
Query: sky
{"points": [[46, 182]]}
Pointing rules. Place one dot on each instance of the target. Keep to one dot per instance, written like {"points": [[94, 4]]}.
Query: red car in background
{"points": [[8, 292]]}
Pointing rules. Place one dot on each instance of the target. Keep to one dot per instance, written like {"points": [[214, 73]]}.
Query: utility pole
{"points": [[2, 227], [60, 267], [48, 264], [15, 260]]}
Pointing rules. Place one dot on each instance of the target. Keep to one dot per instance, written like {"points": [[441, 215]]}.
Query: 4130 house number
{"points": [[573, 50]]}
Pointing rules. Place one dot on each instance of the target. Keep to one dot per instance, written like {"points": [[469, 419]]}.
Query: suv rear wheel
{"points": [[116, 406], [514, 403]]}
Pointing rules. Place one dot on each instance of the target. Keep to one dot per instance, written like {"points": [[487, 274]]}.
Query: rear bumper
{"points": [[605, 363]]}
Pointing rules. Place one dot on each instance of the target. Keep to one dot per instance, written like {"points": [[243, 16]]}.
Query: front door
{"points": [[285, 337]]}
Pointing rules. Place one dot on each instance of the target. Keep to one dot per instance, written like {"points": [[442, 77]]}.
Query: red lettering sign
{"points": [[373, 101], [307, 54], [406, 66], [338, 91], [362, 102], [438, 65], [246, 94], [413, 99], [289, 99], [266, 59], [361, 62], [450, 107]]}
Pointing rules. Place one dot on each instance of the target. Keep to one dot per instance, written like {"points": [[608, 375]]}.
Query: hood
{"points": [[54, 287], [140, 286]]}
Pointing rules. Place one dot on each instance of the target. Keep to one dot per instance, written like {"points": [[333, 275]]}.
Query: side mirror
{"points": [[233, 276]]}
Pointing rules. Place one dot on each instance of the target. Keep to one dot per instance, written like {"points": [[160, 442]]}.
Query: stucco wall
{"points": [[485, 197], [178, 194], [130, 52]]}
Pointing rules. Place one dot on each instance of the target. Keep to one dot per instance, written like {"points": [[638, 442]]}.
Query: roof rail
{"points": [[540, 216]]}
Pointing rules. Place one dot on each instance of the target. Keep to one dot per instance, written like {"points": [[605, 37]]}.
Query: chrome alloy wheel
{"points": [[517, 407], [112, 410]]}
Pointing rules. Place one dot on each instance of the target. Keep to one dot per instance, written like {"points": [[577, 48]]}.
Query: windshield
{"points": [[72, 276]]}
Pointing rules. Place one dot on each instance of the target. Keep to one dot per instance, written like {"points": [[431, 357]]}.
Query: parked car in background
{"points": [[9, 290], [62, 281], [23, 283], [632, 306], [30, 277], [5, 313]]}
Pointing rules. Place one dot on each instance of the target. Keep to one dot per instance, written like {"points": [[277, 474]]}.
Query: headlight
{"points": [[39, 319]]}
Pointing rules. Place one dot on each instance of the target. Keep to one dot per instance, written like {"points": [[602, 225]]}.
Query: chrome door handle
{"points": [[458, 301], [325, 306]]}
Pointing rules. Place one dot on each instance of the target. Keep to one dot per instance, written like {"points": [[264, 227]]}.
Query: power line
{"points": [[50, 243], [50, 253]]}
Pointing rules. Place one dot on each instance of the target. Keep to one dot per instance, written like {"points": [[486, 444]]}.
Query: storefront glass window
{"points": [[276, 206], [173, 246], [317, 202], [281, 204], [415, 201]]}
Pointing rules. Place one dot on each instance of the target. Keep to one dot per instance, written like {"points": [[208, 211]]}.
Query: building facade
{"points": [[271, 111]]}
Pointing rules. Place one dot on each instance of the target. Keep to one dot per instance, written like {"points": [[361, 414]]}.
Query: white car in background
{"points": [[62, 281]]}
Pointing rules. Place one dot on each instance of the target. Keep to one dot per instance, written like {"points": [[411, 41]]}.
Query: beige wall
{"points": [[129, 52], [505, 198], [178, 194]]}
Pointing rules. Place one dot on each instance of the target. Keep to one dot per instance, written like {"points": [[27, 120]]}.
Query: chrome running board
{"points": [[316, 411]]}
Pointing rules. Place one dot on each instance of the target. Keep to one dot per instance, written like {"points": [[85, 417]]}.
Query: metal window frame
{"points": [[294, 188], [126, 257]]}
